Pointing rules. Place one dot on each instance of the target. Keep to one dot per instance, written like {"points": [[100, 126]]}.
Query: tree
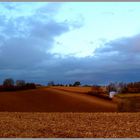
{"points": [[20, 83], [30, 85], [112, 87], [8, 82], [77, 83], [51, 83]]}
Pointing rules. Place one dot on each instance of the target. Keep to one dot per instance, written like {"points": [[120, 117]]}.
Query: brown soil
{"points": [[70, 125], [84, 90], [23, 114], [52, 100]]}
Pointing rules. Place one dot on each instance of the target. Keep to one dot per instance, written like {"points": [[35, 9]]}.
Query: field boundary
{"points": [[69, 90], [89, 93]]}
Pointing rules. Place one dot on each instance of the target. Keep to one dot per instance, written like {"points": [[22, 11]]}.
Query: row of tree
{"points": [[10, 85], [120, 87], [133, 87], [77, 83]]}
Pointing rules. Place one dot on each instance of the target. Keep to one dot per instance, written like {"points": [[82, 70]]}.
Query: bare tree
{"points": [[20, 83], [8, 82], [51, 83], [77, 83]]}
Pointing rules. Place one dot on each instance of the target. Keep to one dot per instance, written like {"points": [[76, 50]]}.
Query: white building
{"points": [[112, 93]]}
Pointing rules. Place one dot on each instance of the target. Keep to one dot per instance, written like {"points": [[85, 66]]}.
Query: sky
{"points": [[64, 42]]}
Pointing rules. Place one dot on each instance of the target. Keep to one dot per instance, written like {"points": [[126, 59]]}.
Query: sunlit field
{"points": [[50, 99], [74, 89], [70, 70], [69, 125], [61, 112]]}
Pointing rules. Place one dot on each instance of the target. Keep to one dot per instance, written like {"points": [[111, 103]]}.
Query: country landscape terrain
{"points": [[59, 112], [50, 99], [69, 69], [69, 125]]}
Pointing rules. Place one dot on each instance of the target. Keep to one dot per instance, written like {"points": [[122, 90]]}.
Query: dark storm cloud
{"points": [[123, 45], [117, 60], [124, 51], [121, 57], [69, 69], [100, 70], [20, 53], [48, 30], [25, 42]]}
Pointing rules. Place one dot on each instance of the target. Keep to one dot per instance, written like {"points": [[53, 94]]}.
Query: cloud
{"points": [[49, 9], [120, 58], [26, 40], [126, 44], [20, 53], [48, 30], [123, 50], [117, 60]]}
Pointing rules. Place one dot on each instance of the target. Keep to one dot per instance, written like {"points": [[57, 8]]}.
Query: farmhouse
{"points": [[112, 93]]}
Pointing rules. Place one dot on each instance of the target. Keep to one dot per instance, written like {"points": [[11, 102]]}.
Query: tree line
{"points": [[133, 87], [76, 83], [10, 85]]}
